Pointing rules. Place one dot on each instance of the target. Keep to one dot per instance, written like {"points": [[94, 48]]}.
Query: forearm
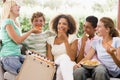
{"points": [[81, 53], [14, 36], [23, 37], [71, 52], [115, 59]]}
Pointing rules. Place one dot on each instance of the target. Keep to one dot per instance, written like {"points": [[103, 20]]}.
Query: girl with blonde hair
{"points": [[11, 37]]}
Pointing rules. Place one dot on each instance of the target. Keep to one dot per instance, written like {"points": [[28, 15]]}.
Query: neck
{"points": [[13, 17], [107, 39]]}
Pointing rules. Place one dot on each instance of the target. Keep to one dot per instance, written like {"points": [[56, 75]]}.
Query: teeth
{"points": [[87, 35]]}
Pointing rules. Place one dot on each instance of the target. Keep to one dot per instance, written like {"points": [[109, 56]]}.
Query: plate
{"points": [[90, 63]]}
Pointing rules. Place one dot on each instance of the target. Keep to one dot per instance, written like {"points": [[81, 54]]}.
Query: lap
{"points": [[12, 63]]}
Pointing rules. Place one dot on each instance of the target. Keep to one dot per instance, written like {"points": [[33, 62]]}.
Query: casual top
{"points": [[105, 57], [37, 42], [59, 49], [9, 47], [87, 45]]}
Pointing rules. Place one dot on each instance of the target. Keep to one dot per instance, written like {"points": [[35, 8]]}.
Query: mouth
{"points": [[38, 27]]}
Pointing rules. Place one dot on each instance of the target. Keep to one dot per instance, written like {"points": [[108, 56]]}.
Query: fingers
{"points": [[35, 30], [76, 66], [87, 35]]}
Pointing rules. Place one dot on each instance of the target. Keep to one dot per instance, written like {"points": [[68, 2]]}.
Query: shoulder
{"points": [[116, 38], [50, 40], [7, 21], [48, 32], [116, 41], [96, 41], [72, 38]]}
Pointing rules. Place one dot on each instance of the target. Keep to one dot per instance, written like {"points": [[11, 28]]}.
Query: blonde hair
{"points": [[6, 8]]}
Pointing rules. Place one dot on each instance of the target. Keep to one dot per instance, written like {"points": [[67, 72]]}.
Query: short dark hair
{"points": [[93, 20]]}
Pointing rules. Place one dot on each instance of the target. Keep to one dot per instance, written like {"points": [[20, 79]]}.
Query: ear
{"points": [[107, 29]]}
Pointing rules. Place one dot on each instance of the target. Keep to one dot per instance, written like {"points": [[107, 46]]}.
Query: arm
{"points": [[49, 53], [13, 35], [71, 49], [81, 53], [82, 48], [116, 57], [89, 56]]}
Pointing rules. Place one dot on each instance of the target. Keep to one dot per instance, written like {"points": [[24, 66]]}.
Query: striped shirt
{"points": [[37, 42]]}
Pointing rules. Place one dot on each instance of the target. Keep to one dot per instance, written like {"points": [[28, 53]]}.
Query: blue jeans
{"points": [[97, 73], [13, 64]]}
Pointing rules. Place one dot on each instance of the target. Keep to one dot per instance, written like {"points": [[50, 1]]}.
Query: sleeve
{"points": [[117, 42], [50, 40], [94, 44], [50, 33], [72, 38], [7, 21]]}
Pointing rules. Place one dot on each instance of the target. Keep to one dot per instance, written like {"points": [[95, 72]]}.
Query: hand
{"points": [[35, 30], [62, 35], [76, 66], [85, 37], [111, 50]]}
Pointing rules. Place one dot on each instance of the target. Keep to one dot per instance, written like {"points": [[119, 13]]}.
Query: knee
{"points": [[78, 72], [101, 71]]}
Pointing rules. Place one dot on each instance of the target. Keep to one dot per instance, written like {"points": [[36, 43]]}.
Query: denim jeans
{"points": [[13, 64], [97, 73]]}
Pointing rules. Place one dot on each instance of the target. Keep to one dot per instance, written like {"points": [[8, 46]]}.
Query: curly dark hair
{"points": [[70, 20]]}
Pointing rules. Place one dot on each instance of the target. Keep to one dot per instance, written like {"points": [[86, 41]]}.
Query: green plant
{"points": [[80, 30], [25, 24]]}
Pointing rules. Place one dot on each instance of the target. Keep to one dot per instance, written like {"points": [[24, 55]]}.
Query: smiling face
{"points": [[15, 9], [62, 25], [88, 28], [101, 30], [39, 22]]}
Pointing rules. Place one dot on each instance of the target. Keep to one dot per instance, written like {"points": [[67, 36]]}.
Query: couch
{"points": [[9, 76]]}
